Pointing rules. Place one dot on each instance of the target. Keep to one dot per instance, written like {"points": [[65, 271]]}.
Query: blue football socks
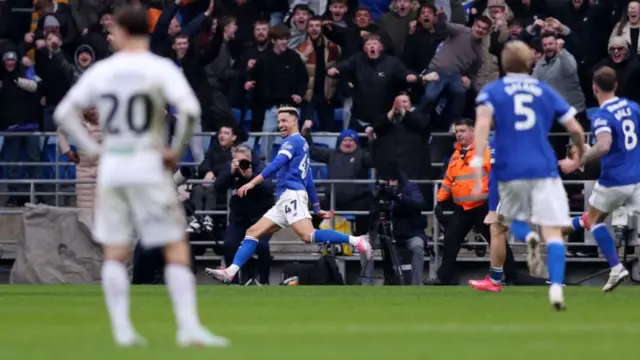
{"points": [[576, 223], [520, 230], [495, 274], [605, 243], [556, 261], [329, 237], [245, 251]]}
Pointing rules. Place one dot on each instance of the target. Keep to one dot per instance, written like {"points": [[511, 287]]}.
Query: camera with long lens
{"points": [[244, 164], [384, 195]]}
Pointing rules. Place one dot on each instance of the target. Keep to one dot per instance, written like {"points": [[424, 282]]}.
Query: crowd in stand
{"points": [[396, 71]]}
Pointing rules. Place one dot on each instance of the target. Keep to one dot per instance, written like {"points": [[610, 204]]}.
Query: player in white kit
{"points": [[131, 90]]}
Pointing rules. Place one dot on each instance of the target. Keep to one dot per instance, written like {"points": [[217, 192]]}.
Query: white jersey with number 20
{"points": [[131, 92]]}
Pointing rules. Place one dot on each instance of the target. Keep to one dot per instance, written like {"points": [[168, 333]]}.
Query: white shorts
{"points": [[607, 199], [541, 201], [292, 206], [152, 210]]}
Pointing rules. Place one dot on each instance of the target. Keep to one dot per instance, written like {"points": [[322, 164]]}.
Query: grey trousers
{"points": [[416, 246]]}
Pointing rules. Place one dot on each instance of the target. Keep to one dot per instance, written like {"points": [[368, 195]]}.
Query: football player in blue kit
{"points": [[616, 126], [522, 109], [294, 189]]}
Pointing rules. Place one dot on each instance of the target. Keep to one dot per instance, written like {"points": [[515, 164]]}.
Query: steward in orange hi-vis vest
{"points": [[459, 180]]}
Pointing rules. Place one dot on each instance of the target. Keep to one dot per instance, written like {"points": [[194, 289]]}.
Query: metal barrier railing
{"points": [[59, 166], [434, 260]]}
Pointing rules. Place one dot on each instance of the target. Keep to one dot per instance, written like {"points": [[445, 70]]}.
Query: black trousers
{"points": [[458, 226], [232, 240]]}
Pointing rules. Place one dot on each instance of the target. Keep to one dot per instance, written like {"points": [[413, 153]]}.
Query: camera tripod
{"points": [[382, 238]]}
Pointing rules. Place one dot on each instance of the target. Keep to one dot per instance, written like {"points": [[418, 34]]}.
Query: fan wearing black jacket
{"points": [[245, 211]]}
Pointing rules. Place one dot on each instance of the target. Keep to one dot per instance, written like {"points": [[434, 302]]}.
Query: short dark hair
{"points": [[231, 126], [547, 34], [427, 6], [316, 18], [363, 8], [605, 79], [260, 22], [133, 20], [278, 32], [180, 35], [484, 19], [343, 2], [464, 121]]}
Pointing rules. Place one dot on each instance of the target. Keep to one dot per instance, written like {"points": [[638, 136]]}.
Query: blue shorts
{"points": [[494, 196]]}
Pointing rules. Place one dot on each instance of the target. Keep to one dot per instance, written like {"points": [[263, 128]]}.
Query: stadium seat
{"points": [[187, 157], [274, 150], [206, 142], [246, 123], [237, 113], [65, 172], [441, 147], [325, 141], [339, 117]]}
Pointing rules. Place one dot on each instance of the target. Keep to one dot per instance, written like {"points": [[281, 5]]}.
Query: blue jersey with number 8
{"points": [[621, 165], [524, 109]]}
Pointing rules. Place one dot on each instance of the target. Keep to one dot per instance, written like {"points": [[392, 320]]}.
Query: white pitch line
{"points": [[434, 328]]}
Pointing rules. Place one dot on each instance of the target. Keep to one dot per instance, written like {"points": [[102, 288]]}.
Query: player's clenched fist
{"points": [[325, 214]]}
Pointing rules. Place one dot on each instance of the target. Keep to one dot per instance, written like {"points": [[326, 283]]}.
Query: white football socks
{"points": [[181, 284], [353, 240], [233, 269], [115, 285]]}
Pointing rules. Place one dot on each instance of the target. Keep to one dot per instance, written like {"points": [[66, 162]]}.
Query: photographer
{"points": [[245, 211], [402, 202]]}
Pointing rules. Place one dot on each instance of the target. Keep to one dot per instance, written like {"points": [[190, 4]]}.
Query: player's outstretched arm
{"points": [[313, 195], [599, 149], [576, 132], [281, 159], [484, 117]]}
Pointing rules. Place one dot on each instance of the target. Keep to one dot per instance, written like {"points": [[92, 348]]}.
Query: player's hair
{"points": [[343, 2], [484, 19], [605, 79], [516, 57], [464, 121], [285, 109], [316, 18], [133, 20], [279, 32], [244, 149]]}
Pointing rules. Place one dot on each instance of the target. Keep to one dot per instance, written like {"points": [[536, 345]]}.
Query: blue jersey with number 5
{"points": [[524, 109], [293, 176], [621, 165]]}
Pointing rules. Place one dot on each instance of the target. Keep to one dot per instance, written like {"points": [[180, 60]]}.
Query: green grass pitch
{"points": [[70, 322]]}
